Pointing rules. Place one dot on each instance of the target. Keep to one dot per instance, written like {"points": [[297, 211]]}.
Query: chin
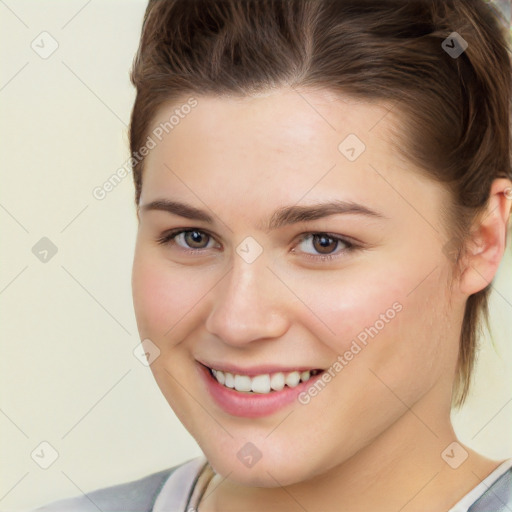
{"points": [[262, 474], [278, 466]]}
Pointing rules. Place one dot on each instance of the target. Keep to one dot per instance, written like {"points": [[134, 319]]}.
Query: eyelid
{"points": [[352, 246], [168, 238], [342, 238]]}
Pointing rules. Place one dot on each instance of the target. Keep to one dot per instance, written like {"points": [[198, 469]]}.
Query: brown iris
{"points": [[324, 244], [193, 239]]}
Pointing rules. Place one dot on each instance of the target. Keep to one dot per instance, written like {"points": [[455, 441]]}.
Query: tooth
{"points": [[242, 383], [229, 381], [277, 381], [304, 376], [261, 383], [221, 378], [292, 379]]}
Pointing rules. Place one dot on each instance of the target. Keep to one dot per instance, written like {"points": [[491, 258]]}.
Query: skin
{"points": [[372, 438]]}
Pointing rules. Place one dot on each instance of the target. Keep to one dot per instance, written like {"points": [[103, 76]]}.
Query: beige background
{"points": [[68, 374]]}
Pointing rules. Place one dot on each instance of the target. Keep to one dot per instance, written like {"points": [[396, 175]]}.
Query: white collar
{"points": [[475, 493], [176, 491]]}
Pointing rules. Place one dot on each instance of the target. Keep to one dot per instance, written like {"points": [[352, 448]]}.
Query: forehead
{"points": [[285, 121], [286, 144]]}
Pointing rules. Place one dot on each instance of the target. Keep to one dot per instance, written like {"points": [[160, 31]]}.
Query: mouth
{"points": [[258, 392], [263, 383]]}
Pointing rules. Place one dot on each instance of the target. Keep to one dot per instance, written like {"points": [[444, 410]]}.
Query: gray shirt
{"points": [[178, 489]]}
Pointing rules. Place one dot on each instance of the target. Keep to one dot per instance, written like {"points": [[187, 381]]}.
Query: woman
{"points": [[323, 191]]}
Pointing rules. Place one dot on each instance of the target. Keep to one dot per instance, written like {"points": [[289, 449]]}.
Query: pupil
{"points": [[325, 243], [195, 237]]}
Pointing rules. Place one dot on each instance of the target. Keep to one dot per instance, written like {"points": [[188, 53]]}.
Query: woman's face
{"points": [[260, 286]]}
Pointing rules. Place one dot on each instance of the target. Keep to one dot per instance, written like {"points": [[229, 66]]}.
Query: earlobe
{"points": [[487, 245]]}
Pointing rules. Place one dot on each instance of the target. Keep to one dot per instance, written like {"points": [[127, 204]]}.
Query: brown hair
{"points": [[455, 109]]}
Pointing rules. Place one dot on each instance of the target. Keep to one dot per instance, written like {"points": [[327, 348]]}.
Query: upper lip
{"points": [[256, 369]]}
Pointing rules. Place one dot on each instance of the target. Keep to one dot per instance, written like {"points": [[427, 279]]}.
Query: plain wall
{"points": [[68, 374]]}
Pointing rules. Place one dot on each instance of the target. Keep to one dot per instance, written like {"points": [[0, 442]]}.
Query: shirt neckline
{"points": [[177, 490], [185, 487], [205, 475], [472, 496]]}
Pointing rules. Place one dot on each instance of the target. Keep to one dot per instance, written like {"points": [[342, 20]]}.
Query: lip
{"points": [[251, 405], [256, 370]]}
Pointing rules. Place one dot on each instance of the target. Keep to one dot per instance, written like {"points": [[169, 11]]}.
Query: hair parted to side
{"points": [[455, 112]]}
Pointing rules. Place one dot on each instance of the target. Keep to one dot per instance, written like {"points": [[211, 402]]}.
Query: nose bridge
{"points": [[246, 306]]}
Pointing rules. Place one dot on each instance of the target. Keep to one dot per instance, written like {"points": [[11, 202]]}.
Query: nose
{"points": [[248, 305]]}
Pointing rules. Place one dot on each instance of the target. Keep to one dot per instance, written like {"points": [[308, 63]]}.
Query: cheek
{"points": [[353, 305], [393, 321], [164, 299], [162, 296]]}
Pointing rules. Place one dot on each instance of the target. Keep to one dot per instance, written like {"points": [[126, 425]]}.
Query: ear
{"points": [[488, 240]]}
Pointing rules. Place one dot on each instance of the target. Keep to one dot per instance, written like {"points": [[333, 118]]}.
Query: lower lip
{"points": [[251, 405]]}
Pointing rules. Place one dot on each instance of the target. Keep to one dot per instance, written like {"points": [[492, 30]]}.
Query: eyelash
{"points": [[168, 238]]}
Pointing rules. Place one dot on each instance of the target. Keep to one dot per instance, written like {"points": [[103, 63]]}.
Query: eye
{"points": [[193, 240], [325, 245]]}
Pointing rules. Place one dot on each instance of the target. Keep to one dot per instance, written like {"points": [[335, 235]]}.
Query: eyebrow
{"points": [[284, 216]]}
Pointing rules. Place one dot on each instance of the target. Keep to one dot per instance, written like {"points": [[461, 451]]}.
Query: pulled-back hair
{"points": [[455, 110]]}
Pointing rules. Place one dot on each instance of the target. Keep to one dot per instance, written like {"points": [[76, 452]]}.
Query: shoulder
{"points": [[134, 496], [497, 497]]}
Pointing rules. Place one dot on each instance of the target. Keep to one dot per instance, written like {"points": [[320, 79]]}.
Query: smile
{"points": [[263, 383], [254, 393]]}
